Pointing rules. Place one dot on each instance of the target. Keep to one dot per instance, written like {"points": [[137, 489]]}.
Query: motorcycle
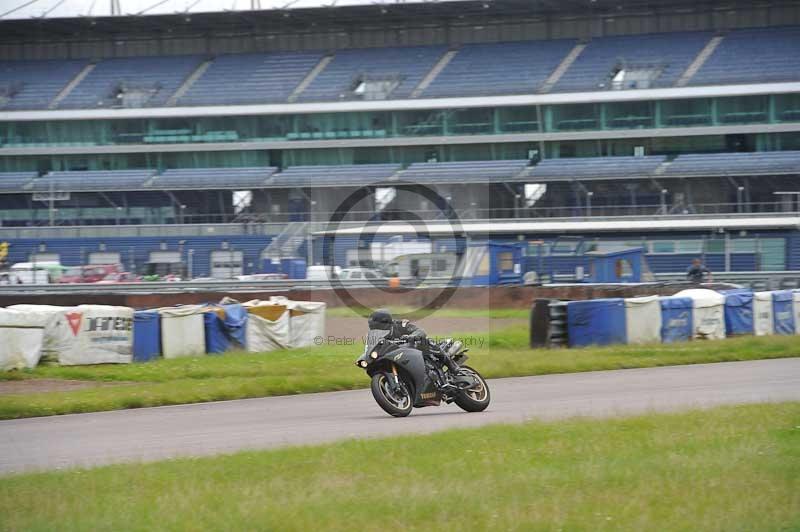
{"points": [[403, 378]]}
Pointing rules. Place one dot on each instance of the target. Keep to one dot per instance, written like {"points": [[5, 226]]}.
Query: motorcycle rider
{"points": [[404, 330]]}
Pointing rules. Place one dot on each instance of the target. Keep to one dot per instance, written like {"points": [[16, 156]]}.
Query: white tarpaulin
{"points": [[306, 320], [86, 334], [21, 337], [643, 319], [267, 326], [55, 331], [763, 323], [708, 313], [182, 331]]}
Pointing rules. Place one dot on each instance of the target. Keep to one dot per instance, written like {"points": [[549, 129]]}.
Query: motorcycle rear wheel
{"points": [[393, 403], [475, 399]]}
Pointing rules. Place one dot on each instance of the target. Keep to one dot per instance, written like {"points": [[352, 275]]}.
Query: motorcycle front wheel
{"points": [[393, 402], [475, 399]]}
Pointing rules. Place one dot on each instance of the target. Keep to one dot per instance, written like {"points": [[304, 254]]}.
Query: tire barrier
{"points": [[694, 314], [101, 334]]}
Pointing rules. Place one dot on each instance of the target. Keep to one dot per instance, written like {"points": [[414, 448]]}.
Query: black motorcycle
{"points": [[403, 378]]}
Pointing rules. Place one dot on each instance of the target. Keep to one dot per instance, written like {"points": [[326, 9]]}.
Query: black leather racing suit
{"points": [[418, 336]]}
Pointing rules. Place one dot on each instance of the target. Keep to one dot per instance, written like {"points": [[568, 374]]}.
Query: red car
{"points": [[89, 274]]}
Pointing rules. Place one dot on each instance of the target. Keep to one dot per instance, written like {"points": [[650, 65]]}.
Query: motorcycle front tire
{"points": [[391, 403], [474, 400]]}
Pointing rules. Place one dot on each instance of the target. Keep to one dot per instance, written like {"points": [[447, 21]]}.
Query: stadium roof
{"points": [[293, 18]]}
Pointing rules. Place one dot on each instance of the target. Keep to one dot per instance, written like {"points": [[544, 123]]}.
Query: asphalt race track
{"points": [[224, 427]]}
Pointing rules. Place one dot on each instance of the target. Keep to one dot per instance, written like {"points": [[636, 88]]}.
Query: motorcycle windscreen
{"points": [[373, 337]]}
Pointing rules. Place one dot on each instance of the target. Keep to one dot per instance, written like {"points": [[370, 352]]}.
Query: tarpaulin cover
{"points": [[783, 311], [182, 331], [764, 322], [52, 329], [708, 315], [596, 322], [146, 335], [738, 312], [796, 298], [306, 320], [677, 324], [643, 320], [225, 328], [267, 326], [21, 337]]}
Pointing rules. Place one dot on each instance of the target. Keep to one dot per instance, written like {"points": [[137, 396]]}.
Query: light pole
{"points": [[739, 193], [589, 203], [664, 193], [796, 194]]}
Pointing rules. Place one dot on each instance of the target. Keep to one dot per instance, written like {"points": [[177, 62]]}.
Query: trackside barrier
{"points": [[100, 334], [548, 323], [688, 315]]}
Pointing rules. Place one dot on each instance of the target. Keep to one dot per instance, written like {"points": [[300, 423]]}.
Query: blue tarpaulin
{"points": [[146, 335], [676, 319], [228, 332], [596, 322], [738, 312], [783, 312]]}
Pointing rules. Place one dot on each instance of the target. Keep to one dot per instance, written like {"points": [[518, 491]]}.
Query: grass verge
{"points": [[243, 375], [730, 468], [413, 313]]}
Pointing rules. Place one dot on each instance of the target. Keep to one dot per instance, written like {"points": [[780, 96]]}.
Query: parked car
{"points": [[120, 277], [90, 273], [322, 273], [352, 274]]}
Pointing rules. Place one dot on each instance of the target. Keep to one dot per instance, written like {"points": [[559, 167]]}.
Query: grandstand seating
{"points": [[33, 84], [753, 56], [161, 76], [15, 181], [213, 178], [587, 168], [670, 52], [464, 171], [407, 65], [499, 68], [90, 180], [340, 175], [712, 164], [250, 78]]}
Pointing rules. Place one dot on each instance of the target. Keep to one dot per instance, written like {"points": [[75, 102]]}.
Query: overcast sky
{"points": [[71, 8]]}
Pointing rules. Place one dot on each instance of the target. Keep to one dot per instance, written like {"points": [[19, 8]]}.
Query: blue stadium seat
{"points": [[408, 65], [340, 175], [160, 75], [251, 78], [34, 84], [671, 52], [720, 164], [92, 180], [213, 178], [588, 168], [15, 181], [464, 171], [753, 56], [499, 68]]}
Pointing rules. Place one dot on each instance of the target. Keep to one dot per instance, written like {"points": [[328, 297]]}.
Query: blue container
{"points": [[783, 312], [596, 322], [146, 335], [738, 312], [294, 268], [224, 334], [676, 319]]}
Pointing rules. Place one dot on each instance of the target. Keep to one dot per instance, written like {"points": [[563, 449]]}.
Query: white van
{"points": [[322, 273], [44, 272]]}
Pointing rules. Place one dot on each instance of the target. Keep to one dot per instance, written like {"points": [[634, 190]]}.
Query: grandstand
{"points": [[171, 127]]}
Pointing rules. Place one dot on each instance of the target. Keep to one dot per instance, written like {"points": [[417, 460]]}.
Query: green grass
{"points": [[242, 375], [731, 468]]}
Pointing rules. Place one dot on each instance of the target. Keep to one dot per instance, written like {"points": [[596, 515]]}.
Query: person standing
{"points": [[698, 272]]}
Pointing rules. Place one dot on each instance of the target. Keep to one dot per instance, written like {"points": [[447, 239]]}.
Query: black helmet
{"points": [[381, 319]]}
